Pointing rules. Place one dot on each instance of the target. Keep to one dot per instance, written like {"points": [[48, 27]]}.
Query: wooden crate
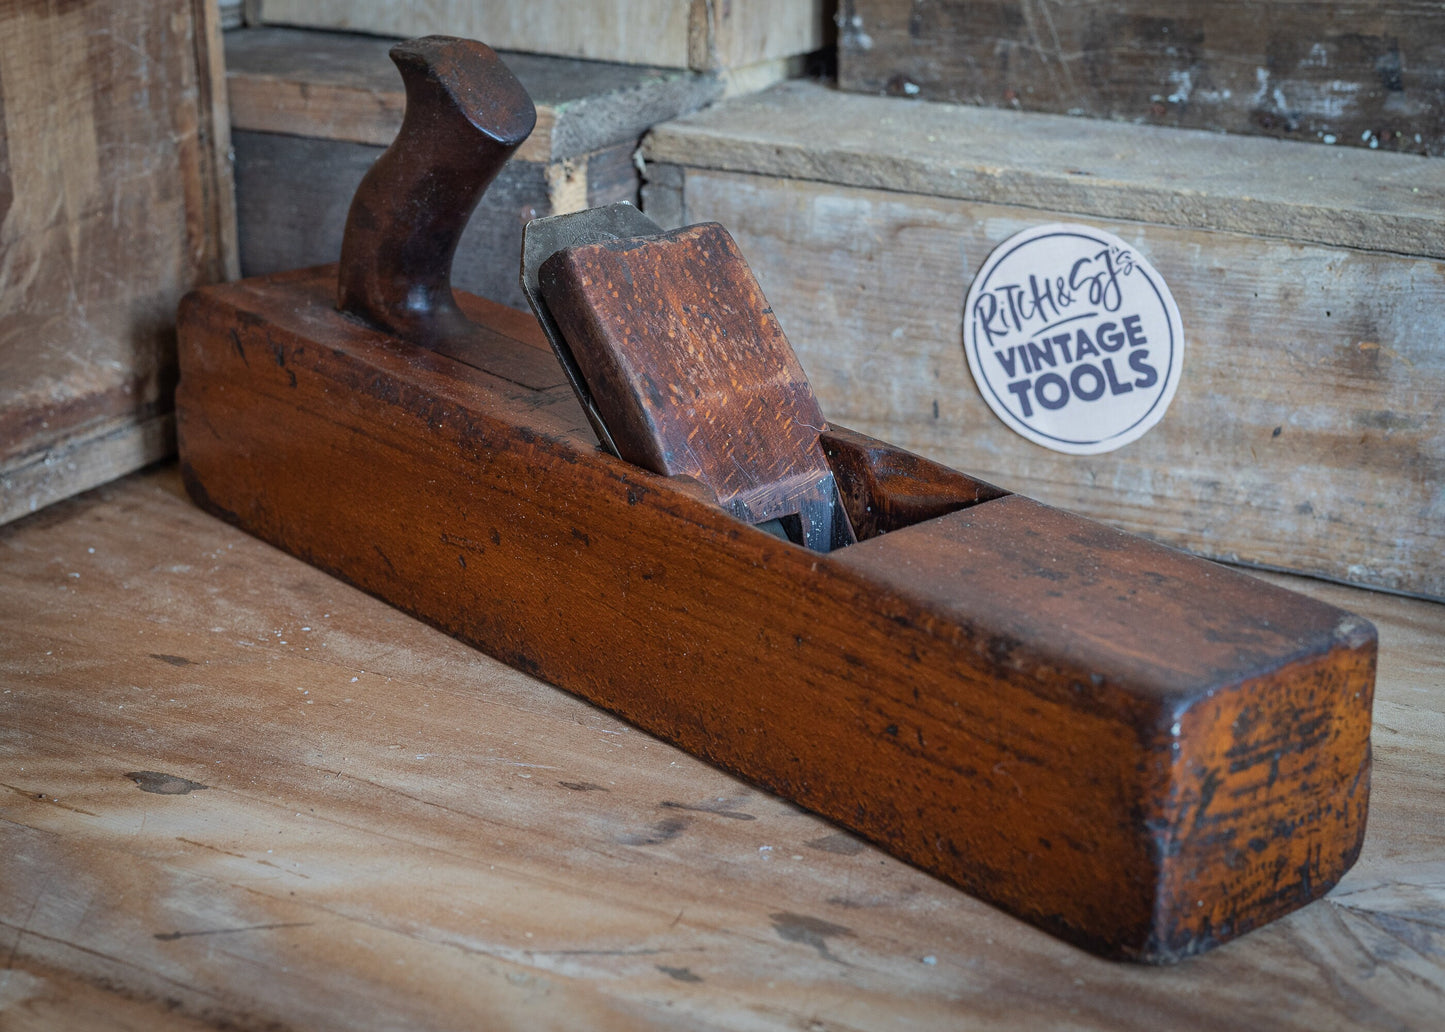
{"points": [[669, 33], [1364, 75], [312, 110], [115, 199], [1308, 432]]}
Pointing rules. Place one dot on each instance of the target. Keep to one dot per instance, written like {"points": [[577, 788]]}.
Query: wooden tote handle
{"points": [[465, 115]]}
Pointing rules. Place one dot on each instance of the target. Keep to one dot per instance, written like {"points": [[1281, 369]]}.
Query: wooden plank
{"points": [[293, 193], [1360, 75], [1307, 433], [400, 832], [670, 33], [733, 36], [117, 199], [627, 31], [334, 86], [37, 998], [214, 221], [85, 460], [1382, 202]]}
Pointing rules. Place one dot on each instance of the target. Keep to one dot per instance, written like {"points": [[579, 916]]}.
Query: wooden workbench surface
{"points": [[235, 792]]}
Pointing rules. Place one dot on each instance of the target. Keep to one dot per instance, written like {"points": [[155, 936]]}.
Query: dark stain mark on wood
{"points": [[595, 953], [839, 842], [682, 974], [164, 784], [1387, 420], [172, 660], [858, 903], [663, 831], [719, 808], [582, 786], [173, 936], [214, 849], [810, 931], [1207, 788]]}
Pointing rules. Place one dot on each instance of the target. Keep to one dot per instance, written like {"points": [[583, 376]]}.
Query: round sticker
{"points": [[1073, 338]]}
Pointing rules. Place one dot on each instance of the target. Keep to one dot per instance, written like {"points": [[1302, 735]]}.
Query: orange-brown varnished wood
{"points": [[1142, 752], [1252, 705], [885, 488], [692, 375]]}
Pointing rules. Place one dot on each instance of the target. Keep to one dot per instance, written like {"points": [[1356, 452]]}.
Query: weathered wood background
{"points": [[1308, 432], [115, 198], [673, 33], [397, 832], [312, 110], [1361, 75]]}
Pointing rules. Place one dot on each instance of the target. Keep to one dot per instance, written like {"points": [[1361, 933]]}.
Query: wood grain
{"points": [[335, 86], [1307, 433], [474, 846], [672, 33], [466, 114], [38, 997], [1044, 767], [682, 309], [89, 457], [115, 197], [1377, 202], [1359, 75]]}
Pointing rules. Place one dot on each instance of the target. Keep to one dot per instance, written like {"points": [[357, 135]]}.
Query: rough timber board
{"points": [[672, 33], [115, 199], [84, 461], [399, 832], [40, 998], [802, 130], [337, 86], [1362, 75], [1307, 433]]}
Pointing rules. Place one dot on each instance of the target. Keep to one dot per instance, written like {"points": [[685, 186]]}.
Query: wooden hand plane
{"points": [[1139, 751]]}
